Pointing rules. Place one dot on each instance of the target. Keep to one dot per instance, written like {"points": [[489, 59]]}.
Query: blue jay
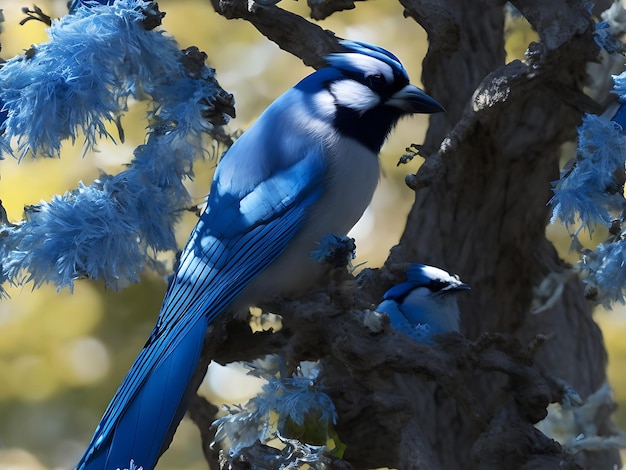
{"points": [[425, 304], [306, 168]]}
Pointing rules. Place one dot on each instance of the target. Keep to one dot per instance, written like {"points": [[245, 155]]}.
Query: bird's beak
{"points": [[413, 100], [457, 287]]}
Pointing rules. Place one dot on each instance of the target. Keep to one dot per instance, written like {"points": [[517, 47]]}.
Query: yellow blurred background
{"points": [[63, 355]]}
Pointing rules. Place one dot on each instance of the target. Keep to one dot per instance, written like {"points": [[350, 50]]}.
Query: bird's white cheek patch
{"points": [[325, 104], [354, 95]]}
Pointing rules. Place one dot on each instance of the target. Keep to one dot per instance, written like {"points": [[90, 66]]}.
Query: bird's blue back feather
{"points": [[279, 173], [229, 247]]}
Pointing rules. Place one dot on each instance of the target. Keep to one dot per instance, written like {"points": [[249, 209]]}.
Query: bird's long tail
{"points": [[147, 408]]}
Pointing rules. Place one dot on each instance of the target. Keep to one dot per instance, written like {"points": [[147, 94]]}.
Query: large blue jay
{"points": [[306, 168], [425, 304]]}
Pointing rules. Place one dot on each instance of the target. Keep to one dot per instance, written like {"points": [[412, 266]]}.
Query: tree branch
{"points": [[321, 9], [372, 372], [289, 31], [484, 211]]}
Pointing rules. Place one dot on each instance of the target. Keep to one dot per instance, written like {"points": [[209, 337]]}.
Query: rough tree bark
{"points": [[481, 211], [487, 199]]}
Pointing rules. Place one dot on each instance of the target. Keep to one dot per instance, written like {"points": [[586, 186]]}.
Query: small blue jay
{"points": [[425, 304], [306, 168]]}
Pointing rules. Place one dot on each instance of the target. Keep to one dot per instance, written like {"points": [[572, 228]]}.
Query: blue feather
{"points": [[231, 244]]}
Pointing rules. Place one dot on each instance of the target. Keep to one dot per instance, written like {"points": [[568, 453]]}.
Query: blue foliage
{"points": [[609, 31], [589, 190], [335, 250], [59, 241], [96, 59], [74, 4], [619, 86], [80, 79], [605, 269], [132, 466], [296, 401], [606, 39]]}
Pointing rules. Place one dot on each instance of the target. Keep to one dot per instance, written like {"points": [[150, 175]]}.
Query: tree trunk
{"points": [[481, 201]]}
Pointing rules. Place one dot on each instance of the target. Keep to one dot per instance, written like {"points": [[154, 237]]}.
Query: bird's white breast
{"points": [[352, 178], [440, 312]]}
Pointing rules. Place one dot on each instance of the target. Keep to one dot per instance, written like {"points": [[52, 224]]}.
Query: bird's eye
{"points": [[436, 285], [375, 81]]}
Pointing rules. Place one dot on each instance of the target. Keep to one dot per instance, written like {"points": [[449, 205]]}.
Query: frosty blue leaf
{"points": [[590, 190], [292, 455], [75, 81], [82, 77], [335, 250], [109, 230], [605, 269], [79, 234], [609, 31], [294, 400], [132, 466], [96, 58], [296, 454], [267, 367], [241, 428], [88, 3]]}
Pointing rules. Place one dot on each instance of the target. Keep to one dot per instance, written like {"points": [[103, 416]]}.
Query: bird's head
{"points": [[428, 280], [365, 90]]}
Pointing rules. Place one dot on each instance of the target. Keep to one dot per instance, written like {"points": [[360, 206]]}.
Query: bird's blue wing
{"points": [[406, 320], [399, 291], [243, 230]]}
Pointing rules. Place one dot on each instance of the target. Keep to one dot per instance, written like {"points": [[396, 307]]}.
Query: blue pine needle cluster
{"points": [[97, 58], [289, 408]]}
